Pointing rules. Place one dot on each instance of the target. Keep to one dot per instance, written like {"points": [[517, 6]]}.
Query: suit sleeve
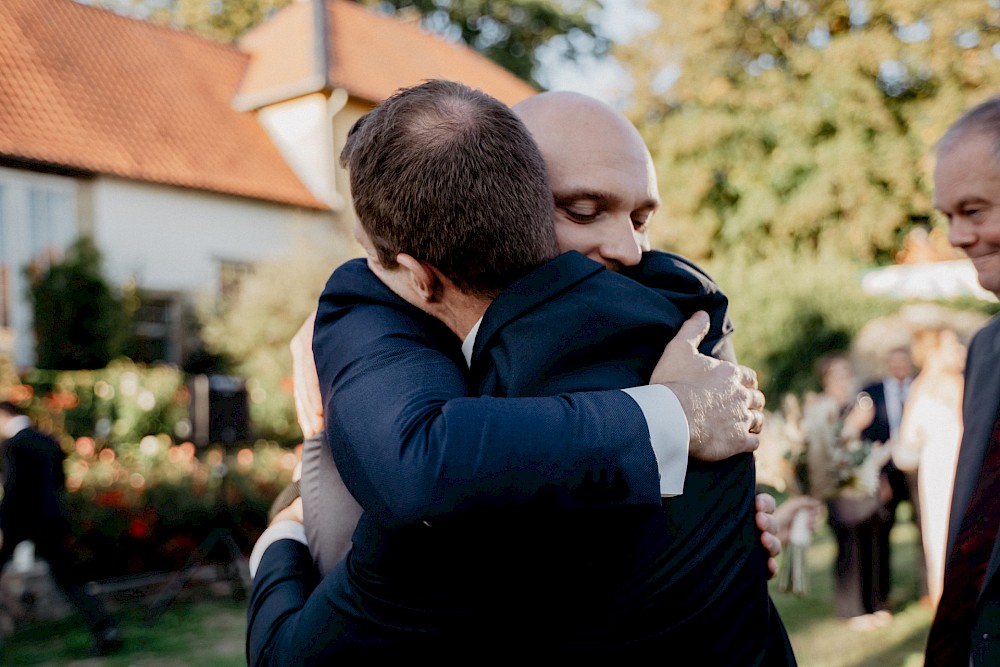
{"points": [[296, 617], [12, 488], [412, 446], [284, 580]]}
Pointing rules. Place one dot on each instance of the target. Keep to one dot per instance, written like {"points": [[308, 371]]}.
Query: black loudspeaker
{"points": [[219, 410]]}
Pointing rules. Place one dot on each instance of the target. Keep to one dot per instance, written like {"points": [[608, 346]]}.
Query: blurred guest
{"points": [[929, 437], [33, 508], [967, 192], [889, 395], [832, 423]]}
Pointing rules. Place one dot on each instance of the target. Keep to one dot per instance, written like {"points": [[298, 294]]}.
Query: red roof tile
{"points": [[84, 88]]}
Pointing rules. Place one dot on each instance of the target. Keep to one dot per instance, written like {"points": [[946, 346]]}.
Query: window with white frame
{"points": [[37, 223]]}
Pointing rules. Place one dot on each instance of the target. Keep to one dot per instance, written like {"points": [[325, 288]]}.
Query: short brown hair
{"points": [[451, 176]]}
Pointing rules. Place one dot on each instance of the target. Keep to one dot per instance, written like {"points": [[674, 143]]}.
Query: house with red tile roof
{"points": [[185, 159]]}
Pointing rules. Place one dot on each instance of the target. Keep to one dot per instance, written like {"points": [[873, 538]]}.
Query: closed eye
{"points": [[578, 216]]}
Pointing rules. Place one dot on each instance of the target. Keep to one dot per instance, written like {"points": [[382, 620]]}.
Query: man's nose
{"points": [[622, 247], [960, 233]]}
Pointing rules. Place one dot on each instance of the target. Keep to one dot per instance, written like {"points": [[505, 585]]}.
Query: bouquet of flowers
{"points": [[827, 459]]}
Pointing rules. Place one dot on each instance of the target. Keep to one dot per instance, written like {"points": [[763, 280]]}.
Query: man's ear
{"points": [[423, 279]]}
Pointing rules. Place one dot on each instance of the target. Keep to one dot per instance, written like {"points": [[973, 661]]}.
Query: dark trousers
{"points": [[861, 568], [50, 538]]}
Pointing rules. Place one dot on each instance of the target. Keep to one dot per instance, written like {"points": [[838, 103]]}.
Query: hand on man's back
{"points": [[724, 409]]}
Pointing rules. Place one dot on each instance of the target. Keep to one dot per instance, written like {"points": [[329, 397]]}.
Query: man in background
{"points": [[889, 397], [966, 628], [33, 508]]}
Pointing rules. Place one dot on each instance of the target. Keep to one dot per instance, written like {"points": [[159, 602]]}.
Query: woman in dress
{"points": [[929, 438], [832, 423]]}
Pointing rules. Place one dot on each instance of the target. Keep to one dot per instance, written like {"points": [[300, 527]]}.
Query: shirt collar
{"points": [[470, 342], [15, 425]]}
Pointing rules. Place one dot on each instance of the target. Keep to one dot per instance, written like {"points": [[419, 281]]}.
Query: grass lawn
{"points": [[821, 639], [210, 633]]}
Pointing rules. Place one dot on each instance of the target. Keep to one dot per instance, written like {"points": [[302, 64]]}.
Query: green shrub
{"points": [[79, 322], [790, 310], [117, 404]]}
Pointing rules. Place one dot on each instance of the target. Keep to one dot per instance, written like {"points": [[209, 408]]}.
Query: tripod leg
{"points": [[177, 582]]}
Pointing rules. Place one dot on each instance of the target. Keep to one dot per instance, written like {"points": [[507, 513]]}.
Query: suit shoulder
{"points": [[991, 330], [873, 387], [670, 270], [987, 340], [356, 309], [36, 444]]}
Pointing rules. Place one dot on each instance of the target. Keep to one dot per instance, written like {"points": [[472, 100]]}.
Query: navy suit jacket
{"points": [[612, 569], [34, 485], [878, 430], [980, 411]]}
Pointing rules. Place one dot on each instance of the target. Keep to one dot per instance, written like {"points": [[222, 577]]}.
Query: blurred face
{"points": [[838, 381], [899, 365], [967, 192]]}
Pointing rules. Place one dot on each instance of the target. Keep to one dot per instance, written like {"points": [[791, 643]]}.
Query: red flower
{"points": [[110, 499], [138, 529], [21, 393]]}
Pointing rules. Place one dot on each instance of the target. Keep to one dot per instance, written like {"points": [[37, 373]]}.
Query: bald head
{"points": [[601, 174]]}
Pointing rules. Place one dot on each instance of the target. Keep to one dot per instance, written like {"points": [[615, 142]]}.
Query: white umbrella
{"points": [[926, 280]]}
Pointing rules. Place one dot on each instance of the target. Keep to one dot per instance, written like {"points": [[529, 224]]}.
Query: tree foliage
{"points": [[793, 141], [79, 321], [805, 124], [508, 32]]}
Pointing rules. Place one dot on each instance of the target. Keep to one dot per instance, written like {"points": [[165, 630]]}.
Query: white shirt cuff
{"points": [[668, 434], [282, 530]]}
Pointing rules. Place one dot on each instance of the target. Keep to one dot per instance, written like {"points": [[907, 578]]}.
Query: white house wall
{"points": [[300, 129], [166, 239], [172, 239]]}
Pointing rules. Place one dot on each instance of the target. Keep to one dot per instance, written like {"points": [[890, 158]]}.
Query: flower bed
{"points": [[147, 506], [142, 497]]}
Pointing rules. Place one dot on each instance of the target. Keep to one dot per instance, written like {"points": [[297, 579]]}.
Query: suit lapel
{"points": [[985, 382], [561, 274], [881, 406]]}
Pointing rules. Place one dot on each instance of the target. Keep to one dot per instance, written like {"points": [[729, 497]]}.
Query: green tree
{"points": [[79, 321], [805, 123], [509, 32], [793, 142]]}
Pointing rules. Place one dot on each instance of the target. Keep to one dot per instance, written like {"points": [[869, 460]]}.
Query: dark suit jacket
{"points": [[515, 569], [980, 410], [878, 431], [33, 483]]}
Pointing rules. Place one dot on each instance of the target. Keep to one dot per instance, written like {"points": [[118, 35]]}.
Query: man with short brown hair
{"points": [[443, 122]]}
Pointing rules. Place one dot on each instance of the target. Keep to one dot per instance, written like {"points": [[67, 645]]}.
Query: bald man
{"points": [[604, 193]]}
